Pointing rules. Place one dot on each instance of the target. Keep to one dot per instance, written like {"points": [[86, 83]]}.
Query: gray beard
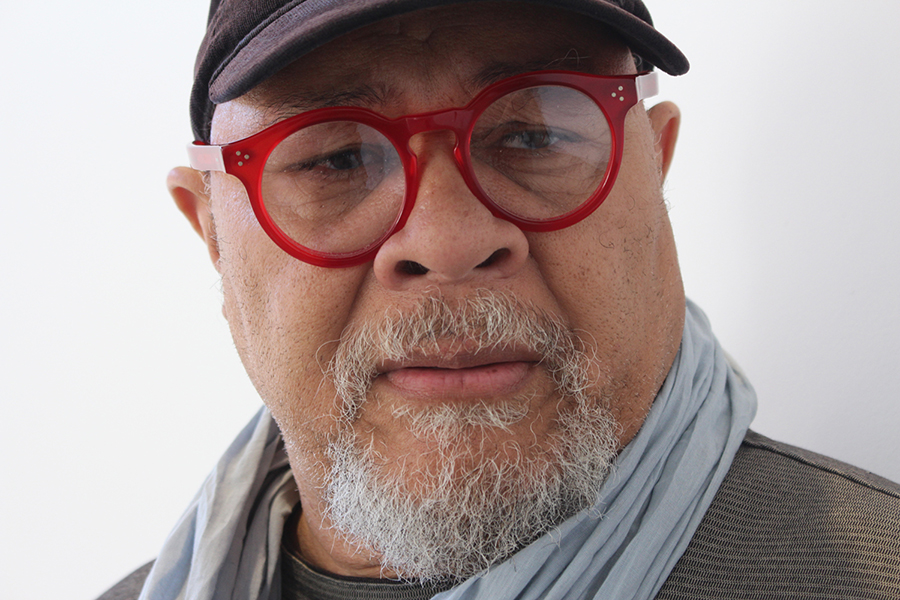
{"points": [[469, 510]]}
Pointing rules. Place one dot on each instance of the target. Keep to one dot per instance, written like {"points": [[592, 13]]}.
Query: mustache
{"points": [[485, 321]]}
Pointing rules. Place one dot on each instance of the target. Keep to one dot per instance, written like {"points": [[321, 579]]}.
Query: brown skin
{"points": [[613, 278]]}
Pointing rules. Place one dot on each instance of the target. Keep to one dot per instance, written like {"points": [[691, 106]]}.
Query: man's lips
{"points": [[461, 376], [485, 381]]}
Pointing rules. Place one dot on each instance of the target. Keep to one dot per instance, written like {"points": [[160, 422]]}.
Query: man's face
{"points": [[608, 287]]}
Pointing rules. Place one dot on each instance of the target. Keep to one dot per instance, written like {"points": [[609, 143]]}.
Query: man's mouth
{"points": [[461, 376]]}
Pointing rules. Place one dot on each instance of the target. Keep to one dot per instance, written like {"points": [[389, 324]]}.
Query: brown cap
{"points": [[249, 41]]}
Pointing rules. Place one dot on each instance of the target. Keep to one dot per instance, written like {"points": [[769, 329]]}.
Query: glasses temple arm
{"points": [[205, 158], [647, 85]]}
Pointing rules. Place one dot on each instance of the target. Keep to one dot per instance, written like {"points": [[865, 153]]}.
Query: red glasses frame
{"points": [[246, 158]]}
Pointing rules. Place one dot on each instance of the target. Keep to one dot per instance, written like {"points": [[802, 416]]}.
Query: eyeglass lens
{"points": [[539, 153]]}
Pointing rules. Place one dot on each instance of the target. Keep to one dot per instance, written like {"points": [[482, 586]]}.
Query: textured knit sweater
{"points": [[785, 524]]}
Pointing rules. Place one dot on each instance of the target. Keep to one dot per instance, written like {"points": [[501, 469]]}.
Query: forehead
{"points": [[468, 45]]}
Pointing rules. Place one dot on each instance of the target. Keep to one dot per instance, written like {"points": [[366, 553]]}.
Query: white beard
{"points": [[470, 509]]}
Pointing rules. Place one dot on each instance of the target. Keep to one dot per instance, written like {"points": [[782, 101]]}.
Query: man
{"points": [[448, 269]]}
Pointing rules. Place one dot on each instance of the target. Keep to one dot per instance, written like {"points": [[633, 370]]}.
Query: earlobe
{"points": [[665, 119], [190, 193]]}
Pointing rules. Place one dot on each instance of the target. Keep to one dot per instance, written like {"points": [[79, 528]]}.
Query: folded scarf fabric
{"points": [[227, 544]]}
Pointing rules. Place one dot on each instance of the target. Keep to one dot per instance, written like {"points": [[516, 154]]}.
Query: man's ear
{"points": [[665, 119], [191, 195]]}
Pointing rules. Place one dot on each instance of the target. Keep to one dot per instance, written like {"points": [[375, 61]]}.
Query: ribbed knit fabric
{"points": [[791, 524], [785, 524], [300, 581]]}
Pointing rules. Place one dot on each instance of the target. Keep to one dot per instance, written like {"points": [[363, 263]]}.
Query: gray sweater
{"points": [[785, 524]]}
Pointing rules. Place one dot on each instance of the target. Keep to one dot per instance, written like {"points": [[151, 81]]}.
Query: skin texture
{"points": [[612, 278]]}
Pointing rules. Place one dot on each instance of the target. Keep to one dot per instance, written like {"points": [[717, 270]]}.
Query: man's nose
{"points": [[450, 236]]}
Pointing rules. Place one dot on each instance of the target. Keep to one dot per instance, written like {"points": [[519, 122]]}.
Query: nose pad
{"points": [[450, 236]]}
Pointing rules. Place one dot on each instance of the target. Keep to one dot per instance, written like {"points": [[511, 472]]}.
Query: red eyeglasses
{"points": [[329, 186]]}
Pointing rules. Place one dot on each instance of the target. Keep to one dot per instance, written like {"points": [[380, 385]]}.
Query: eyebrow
{"points": [[297, 102], [368, 96], [497, 71]]}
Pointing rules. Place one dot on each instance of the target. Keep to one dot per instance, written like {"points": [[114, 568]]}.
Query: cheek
{"points": [[616, 277], [606, 269], [282, 313]]}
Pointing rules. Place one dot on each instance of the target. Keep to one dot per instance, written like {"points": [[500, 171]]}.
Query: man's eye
{"points": [[531, 139], [346, 159]]}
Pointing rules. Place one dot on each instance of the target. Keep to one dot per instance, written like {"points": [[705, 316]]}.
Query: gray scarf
{"points": [[227, 543]]}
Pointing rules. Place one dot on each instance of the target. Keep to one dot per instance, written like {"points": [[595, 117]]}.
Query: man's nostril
{"points": [[409, 267], [495, 257]]}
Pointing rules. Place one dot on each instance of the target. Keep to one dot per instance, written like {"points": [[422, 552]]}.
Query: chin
{"points": [[474, 491], [439, 486]]}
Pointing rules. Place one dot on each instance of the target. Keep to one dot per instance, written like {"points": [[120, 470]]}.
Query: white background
{"points": [[118, 381]]}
